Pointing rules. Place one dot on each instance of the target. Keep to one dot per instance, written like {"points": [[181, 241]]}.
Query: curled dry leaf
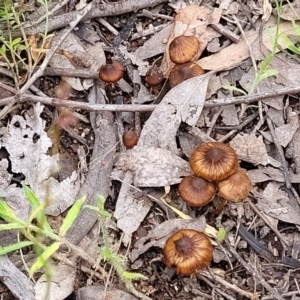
{"points": [[153, 167], [290, 12], [278, 204], [183, 103], [191, 21], [130, 211], [269, 173], [27, 136], [230, 56], [252, 149]]}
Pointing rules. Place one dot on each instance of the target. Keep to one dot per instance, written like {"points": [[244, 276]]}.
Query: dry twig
{"points": [[281, 153]]}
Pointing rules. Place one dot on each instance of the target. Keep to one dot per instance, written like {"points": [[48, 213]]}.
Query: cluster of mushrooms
{"points": [[215, 166], [182, 50]]}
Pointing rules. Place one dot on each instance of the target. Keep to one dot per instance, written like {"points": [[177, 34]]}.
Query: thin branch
{"points": [[252, 98], [281, 153], [226, 32], [150, 107]]}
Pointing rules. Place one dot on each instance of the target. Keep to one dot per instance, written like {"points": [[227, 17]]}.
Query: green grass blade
{"points": [[6, 213], [71, 216], [133, 276], [31, 197], [14, 247], [268, 73], [233, 88], [38, 209], [221, 235], [11, 226], [41, 260]]}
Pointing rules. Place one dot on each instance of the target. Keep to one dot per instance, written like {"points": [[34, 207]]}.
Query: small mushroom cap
{"points": [[196, 191], [130, 139], [214, 161], [183, 72], [188, 250], [111, 73], [236, 187], [154, 76], [183, 48]]}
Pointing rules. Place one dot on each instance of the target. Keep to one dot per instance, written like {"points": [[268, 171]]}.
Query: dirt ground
{"points": [[63, 133]]}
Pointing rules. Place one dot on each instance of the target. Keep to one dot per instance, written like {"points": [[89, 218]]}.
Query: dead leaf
{"points": [[229, 115], [290, 11], [27, 136], [60, 286], [230, 56], [276, 203], [267, 7], [269, 173], [183, 103], [284, 133], [130, 211], [93, 55], [252, 149], [153, 167], [159, 234], [155, 45]]}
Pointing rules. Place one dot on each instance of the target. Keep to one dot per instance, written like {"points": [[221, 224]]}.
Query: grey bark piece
{"points": [[97, 293], [18, 283], [97, 181]]}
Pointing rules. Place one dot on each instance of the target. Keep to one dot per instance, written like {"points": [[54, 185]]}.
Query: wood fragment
{"points": [[19, 284], [226, 32], [281, 153]]}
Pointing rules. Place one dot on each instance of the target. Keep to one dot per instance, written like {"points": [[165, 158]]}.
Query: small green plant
{"points": [[11, 48], [284, 38], [45, 242], [263, 71], [36, 229], [106, 251], [14, 44]]}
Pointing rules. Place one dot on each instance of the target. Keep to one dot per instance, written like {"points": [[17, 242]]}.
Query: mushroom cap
{"points": [[111, 73], [183, 72], [154, 76], [196, 191], [214, 161], [183, 48], [130, 139], [236, 187], [188, 250]]}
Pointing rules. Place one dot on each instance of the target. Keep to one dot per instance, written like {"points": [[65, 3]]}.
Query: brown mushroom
{"points": [[188, 250], [183, 72], [235, 187], [111, 73], [130, 139], [196, 191], [183, 48], [154, 76], [214, 161]]}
